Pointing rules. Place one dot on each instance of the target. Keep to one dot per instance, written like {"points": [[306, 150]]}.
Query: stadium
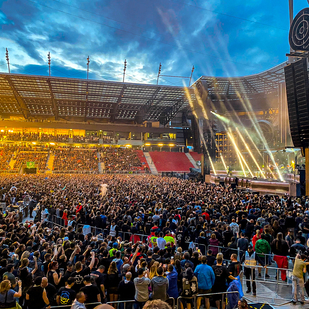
{"points": [[150, 195]]}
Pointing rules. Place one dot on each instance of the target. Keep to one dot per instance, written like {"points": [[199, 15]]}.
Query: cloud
{"points": [[178, 34]]}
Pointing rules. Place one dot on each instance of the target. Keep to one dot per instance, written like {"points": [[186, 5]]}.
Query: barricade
{"points": [[207, 295], [276, 290], [117, 303], [69, 306]]}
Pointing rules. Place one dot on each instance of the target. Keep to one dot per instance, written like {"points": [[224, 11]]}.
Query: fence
{"points": [[174, 302], [144, 238]]}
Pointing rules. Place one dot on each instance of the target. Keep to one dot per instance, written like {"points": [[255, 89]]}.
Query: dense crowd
{"points": [[49, 137], [6, 153], [120, 159], [33, 137], [73, 159], [70, 159], [179, 218], [40, 159]]}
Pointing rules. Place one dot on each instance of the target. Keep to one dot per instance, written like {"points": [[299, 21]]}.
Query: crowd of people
{"points": [[184, 224], [6, 153], [71, 159], [120, 159], [39, 158], [50, 137]]}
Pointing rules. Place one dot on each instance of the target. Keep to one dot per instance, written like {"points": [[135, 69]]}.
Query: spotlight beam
{"points": [[201, 104], [237, 149], [201, 133], [247, 147]]}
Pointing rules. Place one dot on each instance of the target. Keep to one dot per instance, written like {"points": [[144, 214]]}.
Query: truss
{"points": [[62, 98]]}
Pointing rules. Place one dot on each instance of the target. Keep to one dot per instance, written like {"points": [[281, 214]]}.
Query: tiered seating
{"points": [[40, 159], [121, 159], [171, 161], [6, 154], [143, 160], [69, 159], [196, 156]]}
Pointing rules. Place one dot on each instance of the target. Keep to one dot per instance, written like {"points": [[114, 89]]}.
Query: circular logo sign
{"points": [[299, 31]]}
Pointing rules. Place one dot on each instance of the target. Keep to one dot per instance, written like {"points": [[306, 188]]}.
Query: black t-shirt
{"points": [[79, 278], [91, 292], [179, 238], [51, 291], [98, 278], [210, 260], [234, 268], [126, 290], [221, 275], [36, 298], [66, 296]]}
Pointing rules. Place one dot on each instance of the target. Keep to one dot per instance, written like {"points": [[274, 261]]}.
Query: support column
{"points": [[307, 170]]}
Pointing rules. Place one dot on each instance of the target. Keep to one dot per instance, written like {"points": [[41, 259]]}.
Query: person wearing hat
{"points": [[113, 250], [249, 258]]}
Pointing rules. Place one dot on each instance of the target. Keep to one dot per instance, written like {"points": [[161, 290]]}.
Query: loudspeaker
{"points": [[297, 89]]}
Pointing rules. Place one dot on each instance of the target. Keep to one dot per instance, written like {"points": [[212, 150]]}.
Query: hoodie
{"points": [[159, 286], [141, 289], [172, 283]]}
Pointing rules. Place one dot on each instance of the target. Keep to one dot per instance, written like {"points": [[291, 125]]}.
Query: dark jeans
{"points": [[250, 272], [126, 305], [139, 305]]}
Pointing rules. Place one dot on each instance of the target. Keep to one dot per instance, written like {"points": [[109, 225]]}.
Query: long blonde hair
{"points": [[5, 286], [153, 271], [112, 269]]}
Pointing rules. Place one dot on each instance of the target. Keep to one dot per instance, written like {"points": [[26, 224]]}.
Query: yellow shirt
{"points": [[298, 268]]}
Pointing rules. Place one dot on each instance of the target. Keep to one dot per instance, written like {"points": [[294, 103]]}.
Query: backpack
{"points": [[189, 287]]}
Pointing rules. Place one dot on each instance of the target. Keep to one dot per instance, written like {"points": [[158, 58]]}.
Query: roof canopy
{"points": [[262, 83], [53, 97]]}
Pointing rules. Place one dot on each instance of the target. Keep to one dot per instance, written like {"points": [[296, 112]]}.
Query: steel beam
{"points": [[20, 102], [115, 109], [54, 102]]}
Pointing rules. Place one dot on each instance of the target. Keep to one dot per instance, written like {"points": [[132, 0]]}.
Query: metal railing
{"points": [[206, 295], [117, 303]]}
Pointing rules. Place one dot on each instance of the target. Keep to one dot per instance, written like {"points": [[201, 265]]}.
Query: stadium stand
{"points": [[196, 156], [71, 159], [6, 153], [143, 160], [40, 159], [170, 161], [122, 159]]}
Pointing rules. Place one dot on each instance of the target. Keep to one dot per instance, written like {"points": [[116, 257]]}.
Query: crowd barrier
{"points": [[144, 238], [175, 303]]}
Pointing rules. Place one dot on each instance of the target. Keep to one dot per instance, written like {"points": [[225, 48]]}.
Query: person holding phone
{"points": [[8, 295]]}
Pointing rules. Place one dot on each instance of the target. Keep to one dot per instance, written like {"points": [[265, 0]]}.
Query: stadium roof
{"points": [[262, 83], [54, 97]]}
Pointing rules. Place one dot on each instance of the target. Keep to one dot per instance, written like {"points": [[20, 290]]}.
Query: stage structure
{"points": [[297, 85]]}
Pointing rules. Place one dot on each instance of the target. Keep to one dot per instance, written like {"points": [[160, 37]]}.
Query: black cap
{"points": [[250, 247]]}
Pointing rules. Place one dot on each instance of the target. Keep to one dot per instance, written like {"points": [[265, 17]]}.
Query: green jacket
{"points": [[262, 246]]}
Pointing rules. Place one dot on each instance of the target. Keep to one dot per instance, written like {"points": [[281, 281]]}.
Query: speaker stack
{"points": [[297, 89]]}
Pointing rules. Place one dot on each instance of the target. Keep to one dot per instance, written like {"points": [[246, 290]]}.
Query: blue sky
{"points": [[218, 37]]}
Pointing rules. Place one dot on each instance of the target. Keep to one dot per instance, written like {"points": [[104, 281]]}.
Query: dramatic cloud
{"points": [[218, 37]]}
